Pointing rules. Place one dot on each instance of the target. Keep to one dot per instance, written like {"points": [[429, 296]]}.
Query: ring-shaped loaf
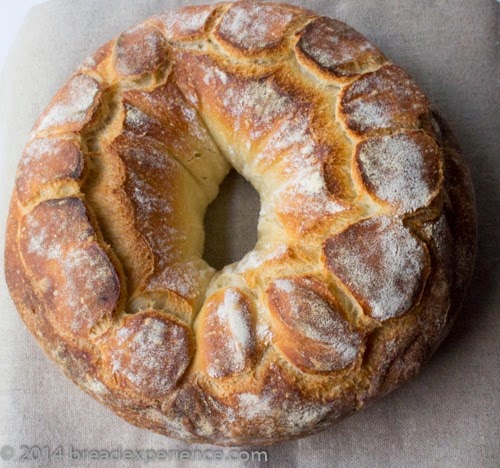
{"points": [[365, 238]]}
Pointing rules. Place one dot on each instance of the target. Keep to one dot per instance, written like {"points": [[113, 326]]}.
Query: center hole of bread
{"points": [[231, 222]]}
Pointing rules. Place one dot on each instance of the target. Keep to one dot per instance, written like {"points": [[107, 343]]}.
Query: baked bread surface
{"points": [[365, 239]]}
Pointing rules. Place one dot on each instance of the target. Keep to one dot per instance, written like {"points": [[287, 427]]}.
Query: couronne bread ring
{"points": [[366, 235]]}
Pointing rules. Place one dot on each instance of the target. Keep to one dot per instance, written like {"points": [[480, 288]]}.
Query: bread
{"points": [[365, 239]]}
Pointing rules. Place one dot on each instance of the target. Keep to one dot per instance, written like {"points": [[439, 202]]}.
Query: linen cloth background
{"points": [[450, 414]]}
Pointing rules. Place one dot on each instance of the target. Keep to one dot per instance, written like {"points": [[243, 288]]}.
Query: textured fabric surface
{"points": [[449, 415]]}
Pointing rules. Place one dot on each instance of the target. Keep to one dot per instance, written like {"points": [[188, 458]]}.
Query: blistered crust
{"points": [[366, 235]]}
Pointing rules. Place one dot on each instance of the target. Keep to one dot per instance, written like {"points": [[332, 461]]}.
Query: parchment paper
{"points": [[449, 415]]}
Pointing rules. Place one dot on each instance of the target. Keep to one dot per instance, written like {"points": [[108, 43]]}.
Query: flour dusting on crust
{"points": [[185, 22], [254, 25], [385, 99], [44, 161], [255, 259], [258, 99], [336, 47], [149, 351], [381, 263], [304, 306], [310, 325], [229, 341], [304, 202], [73, 106], [57, 237], [402, 169], [140, 50], [188, 279]]}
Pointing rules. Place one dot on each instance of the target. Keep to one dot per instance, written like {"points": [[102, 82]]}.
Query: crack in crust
{"points": [[353, 282]]}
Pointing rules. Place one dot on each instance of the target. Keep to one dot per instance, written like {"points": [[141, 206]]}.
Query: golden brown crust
{"points": [[253, 27], [47, 161], [226, 339], [58, 244], [148, 353], [72, 108], [381, 264], [386, 99], [138, 51], [309, 326], [335, 49], [366, 236], [185, 24], [403, 169]]}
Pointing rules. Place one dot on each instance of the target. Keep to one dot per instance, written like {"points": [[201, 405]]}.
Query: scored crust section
{"points": [[365, 238], [386, 99], [252, 27], [188, 23], [335, 49], [139, 50], [152, 183], [381, 263], [311, 329], [167, 215], [226, 333], [47, 160], [148, 353], [172, 171], [251, 118], [402, 169], [58, 245], [73, 106], [165, 116]]}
